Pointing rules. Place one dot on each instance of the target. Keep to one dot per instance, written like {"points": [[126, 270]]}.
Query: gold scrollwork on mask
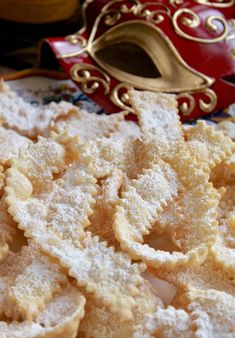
{"points": [[174, 74], [123, 6], [188, 104], [134, 8], [191, 19], [233, 53], [208, 106], [82, 73], [147, 36], [112, 17], [175, 3], [75, 39], [217, 4], [155, 15], [84, 16], [119, 96]]}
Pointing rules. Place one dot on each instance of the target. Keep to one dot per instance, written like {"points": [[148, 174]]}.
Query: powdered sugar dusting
{"points": [[59, 216], [127, 129], [88, 126], [144, 197], [66, 304], [10, 144], [213, 312], [63, 190], [100, 322], [227, 128], [109, 275], [27, 119], [158, 119], [60, 319], [128, 155], [167, 323], [104, 208], [219, 147], [33, 287]]}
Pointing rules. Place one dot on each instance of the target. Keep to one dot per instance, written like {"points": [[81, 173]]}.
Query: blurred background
{"points": [[24, 22]]}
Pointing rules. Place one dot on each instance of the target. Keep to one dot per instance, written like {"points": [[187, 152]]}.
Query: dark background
{"points": [[19, 42]]}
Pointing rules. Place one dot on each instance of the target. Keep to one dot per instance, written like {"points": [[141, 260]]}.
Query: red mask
{"points": [[172, 46]]}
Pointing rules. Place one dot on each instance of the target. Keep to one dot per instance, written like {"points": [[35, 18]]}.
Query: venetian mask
{"points": [[171, 46]]}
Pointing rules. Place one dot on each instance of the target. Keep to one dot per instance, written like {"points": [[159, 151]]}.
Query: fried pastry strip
{"points": [[59, 319], [210, 146], [55, 211]]}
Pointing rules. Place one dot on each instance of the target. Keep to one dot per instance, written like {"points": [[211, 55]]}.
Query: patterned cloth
{"points": [[47, 90]]}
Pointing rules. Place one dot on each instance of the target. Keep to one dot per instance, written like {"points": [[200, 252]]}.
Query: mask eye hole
{"points": [[130, 58], [230, 79]]}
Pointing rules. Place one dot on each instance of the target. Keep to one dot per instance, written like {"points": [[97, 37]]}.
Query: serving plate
{"points": [[40, 86]]}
